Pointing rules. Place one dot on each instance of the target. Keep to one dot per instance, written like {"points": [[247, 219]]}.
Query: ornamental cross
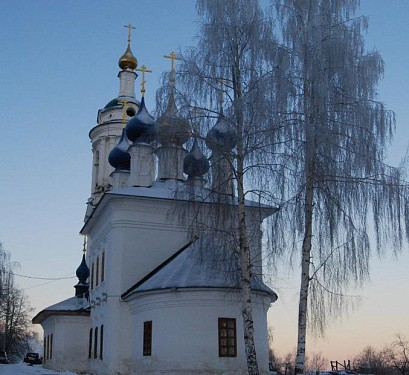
{"points": [[124, 103], [144, 70], [129, 27], [173, 57]]}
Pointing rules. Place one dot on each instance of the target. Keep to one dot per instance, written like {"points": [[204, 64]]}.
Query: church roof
{"points": [[199, 264], [166, 190], [70, 306]]}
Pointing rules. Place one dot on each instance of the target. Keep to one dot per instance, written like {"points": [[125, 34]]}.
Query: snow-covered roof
{"points": [[176, 191], [70, 306], [182, 191], [191, 267]]}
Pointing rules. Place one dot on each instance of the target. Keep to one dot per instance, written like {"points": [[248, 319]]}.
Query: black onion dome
{"points": [[119, 157], [141, 127], [195, 163], [82, 271], [171, 128], [221, 137]]}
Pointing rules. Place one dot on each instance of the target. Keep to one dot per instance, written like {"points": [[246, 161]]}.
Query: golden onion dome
{"points": [[128, 60]]}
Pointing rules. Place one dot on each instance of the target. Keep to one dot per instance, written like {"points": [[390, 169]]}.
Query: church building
{"points": [[153, 297]]}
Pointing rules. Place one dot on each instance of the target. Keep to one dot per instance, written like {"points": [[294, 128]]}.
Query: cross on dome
{"points": [[129, 27], [173, 57], [144, 70]]}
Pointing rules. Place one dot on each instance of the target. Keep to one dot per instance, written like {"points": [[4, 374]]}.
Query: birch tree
{"points": [[334, 145], [235, 61], [14, 310]]}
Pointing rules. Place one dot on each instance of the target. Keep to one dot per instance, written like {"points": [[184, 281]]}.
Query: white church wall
{"points": [[185, 332], [138, 235], [69, 342]]}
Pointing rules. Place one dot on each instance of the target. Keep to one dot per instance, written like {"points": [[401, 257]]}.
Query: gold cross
{"points": [[173, 57], [129, 27], [144, 70], [124, 103]]}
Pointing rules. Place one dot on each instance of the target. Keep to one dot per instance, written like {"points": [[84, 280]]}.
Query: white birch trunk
{"points": [[308, 220], [247, 308]]}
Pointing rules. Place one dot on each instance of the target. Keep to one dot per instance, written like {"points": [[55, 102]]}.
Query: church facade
{"points": [[152, 297]]}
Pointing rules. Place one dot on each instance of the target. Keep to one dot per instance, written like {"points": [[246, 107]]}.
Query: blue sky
{"points": [[59, 66]]}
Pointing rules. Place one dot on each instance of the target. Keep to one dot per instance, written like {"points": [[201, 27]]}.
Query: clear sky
{"points": [[59, 66]]}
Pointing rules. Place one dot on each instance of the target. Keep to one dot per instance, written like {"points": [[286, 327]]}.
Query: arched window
{"points": [[101, 342], [48, 346], [147, 338], [96, 343], [90, 343], [51, 346], [97, 272], [103, 266], [45, 348]]}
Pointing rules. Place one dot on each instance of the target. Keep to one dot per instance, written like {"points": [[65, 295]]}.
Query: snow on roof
{"points": [[191, 267], [69, 306], [182, 191]]}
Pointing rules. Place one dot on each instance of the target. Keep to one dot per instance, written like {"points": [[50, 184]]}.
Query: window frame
{"points": [[101, 342], [90, 343], [103, 266], [97, 272], [147, 338], [96, 343], [221, 337]]}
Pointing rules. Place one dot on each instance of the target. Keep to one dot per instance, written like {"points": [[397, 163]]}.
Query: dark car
{"points": [[33, 359], [3, 357]]}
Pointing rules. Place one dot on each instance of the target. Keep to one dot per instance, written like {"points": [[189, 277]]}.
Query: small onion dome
{"points": [[128, 60], [119, 157], [221, 137], [171, 128], [195, 163], [141, 127], [82, 271]]}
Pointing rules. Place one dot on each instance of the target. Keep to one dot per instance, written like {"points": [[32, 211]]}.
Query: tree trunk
{"points": [[307, 241], [305, 280], [247, 309]]}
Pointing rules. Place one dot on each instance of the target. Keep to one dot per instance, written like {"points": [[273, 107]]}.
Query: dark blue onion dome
{"points": [[141, 127], [221, 137], [171, 128], [119, 157], [82, 271], [195, 163]]}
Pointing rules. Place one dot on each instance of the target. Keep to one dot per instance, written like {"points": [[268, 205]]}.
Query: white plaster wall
{"points": [[185, 333], [70, 342]]}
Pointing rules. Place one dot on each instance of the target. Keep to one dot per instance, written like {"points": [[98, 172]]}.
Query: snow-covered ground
{"points": [[23, 369]]}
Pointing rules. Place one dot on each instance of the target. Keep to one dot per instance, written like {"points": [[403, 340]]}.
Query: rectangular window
{"points": [[51, 346], [92, 276], [97, 272], [101, 341], [48, 346], [103, 267], [45, 349], [227, 337], [147, 338], [90, 344], [96, 343]]}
